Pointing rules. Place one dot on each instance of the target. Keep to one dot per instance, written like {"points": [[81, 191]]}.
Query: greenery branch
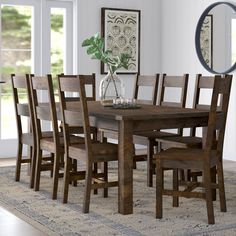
{"points": [[95, 48]]}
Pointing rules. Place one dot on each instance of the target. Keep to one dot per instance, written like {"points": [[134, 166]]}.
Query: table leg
{"points": [[125, 200]]}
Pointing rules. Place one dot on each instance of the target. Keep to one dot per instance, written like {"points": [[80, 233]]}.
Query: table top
{"points": [[145, 112]]}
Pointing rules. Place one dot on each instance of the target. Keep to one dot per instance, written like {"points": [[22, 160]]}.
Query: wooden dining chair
{"points": [[20, 84], [200, 159], [145, 81], [141, 82], [202, 84], [91, 152], [53, 144], [149, 138], [90, 85]]}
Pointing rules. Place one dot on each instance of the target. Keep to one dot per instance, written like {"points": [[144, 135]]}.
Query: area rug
{"points": [[54, 218]]}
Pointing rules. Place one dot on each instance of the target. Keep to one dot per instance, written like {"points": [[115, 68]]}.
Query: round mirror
{"points": [[215, 38]]}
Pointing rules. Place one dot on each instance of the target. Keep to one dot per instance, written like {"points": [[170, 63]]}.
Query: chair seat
{"points": [[182, 158], [181, 141], [102, 152], [47, 143]]}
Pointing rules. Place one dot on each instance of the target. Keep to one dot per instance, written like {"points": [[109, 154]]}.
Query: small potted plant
{"points": [[111, 87]]}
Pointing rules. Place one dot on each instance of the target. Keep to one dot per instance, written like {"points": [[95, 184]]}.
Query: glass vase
{"points": [[111, 87]]}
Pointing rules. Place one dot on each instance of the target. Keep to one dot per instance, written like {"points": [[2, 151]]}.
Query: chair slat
{"points": [[174, 81], [146, 81], [72, 118], [171, 104], [19, 82], [23, 110], [39, 83], [43, 113], [206, 82]]}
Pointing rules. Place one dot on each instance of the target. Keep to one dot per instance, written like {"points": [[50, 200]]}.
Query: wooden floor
{"points": [[10, 225]]}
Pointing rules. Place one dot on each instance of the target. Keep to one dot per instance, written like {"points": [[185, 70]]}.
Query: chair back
{"points": [[217, 119], [202, 83], [146, 81], [89, 81], [43, 112], [178, 82], [20, 83], [74, 118]]}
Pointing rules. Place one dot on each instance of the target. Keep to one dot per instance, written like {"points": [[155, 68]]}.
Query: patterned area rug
{"points": [[55, 218]]}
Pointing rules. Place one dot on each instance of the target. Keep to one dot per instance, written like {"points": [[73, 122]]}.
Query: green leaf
{"points": [[96, 35], [91, 50], [98, 55], [86, 43]]}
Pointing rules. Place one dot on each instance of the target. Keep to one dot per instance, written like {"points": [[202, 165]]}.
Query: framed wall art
{"points": [[206, 40], [121, 31]]}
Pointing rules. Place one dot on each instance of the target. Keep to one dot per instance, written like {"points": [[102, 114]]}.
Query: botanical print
{"points": [[206, 40], [121, 33]]}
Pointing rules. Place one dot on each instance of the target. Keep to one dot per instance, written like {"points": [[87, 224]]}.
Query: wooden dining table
{"points": [[129, 121]]}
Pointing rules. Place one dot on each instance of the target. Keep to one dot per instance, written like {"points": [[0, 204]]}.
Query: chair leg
{"points": [[18, 161], [95, 171], [105, 178], [150, 149], [32, 169], [182, 175], [134, 162], [213, 180], [159, 188], [56, 168], [209, 201], [74, 168], [66, 179], [88, 183], [29, 156], [52, 162], [38, 170], [221, 184], [175, 187]]}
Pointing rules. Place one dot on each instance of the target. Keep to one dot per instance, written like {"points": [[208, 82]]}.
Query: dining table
{"points": [[128, 121]]}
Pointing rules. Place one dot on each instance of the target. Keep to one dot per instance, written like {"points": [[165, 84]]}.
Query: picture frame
{"points": [[121, 31], [206, 40]]}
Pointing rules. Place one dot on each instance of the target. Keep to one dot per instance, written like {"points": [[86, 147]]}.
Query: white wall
{"points": [[179, 20], [167, 45], [89, 15]]}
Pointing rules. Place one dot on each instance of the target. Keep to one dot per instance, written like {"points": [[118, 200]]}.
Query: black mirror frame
{"points": [[197, 37]]}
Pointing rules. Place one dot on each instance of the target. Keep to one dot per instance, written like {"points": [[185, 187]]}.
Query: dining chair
{"points": [[148, 138], [90, 85], [141, 82], [20, 85], [200, 159], [91, 152], [202, 84], [47, 112]]}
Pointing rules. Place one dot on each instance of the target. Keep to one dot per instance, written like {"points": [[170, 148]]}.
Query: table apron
{"points": [[169, 123]]}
